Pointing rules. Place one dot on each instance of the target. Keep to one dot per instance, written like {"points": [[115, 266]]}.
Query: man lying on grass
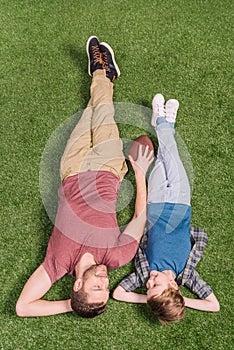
{"points": [[169, 253], [86, 240]]}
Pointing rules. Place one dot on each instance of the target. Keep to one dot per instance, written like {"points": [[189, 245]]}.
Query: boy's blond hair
{"points": [[168, 306]]}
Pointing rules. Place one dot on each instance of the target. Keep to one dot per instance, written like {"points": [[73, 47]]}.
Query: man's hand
{"points": [[144, 158]]}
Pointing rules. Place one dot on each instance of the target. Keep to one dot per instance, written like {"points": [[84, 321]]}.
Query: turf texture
{"points": [[182, 49]]}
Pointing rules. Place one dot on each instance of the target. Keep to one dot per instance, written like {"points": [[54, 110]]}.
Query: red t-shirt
{"points": [[86, 222]]}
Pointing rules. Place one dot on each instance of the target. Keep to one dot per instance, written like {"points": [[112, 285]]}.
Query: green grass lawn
{"points": [[182, 49]]}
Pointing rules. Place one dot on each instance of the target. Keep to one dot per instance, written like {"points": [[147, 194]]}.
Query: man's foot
{"points": [[94, 55], [158, 108], [109, 64], [171, 108]]}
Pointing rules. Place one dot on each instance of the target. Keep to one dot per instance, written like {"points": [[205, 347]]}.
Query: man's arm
{"points": [[136, 226], [209, 304], [30, 302], [129, 297]]}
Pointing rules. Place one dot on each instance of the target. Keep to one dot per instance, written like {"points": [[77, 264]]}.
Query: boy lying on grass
{"points": [[170, 251]]}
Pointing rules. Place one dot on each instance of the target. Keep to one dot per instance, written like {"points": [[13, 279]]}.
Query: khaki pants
{"points": [[94, 144]]}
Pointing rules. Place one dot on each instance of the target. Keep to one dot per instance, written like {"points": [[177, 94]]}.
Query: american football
{"points": [[143, 140]]}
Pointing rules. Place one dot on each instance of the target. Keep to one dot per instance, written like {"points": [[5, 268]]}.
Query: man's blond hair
{"points": [[168, 306]]}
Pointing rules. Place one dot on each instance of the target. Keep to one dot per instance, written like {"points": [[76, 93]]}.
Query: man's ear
{"points": [[174, 284], [78, 284]]}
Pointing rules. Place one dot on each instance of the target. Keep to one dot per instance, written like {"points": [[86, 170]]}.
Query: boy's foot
{"points": [[94, 55], [109, 64], [158, 108], [171, 108]]}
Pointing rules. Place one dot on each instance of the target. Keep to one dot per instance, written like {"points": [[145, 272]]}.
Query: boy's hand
{"points": [[144, 158]]}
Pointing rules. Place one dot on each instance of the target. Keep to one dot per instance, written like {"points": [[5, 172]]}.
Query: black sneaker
{"points": [[109, 64], [94, 55]]}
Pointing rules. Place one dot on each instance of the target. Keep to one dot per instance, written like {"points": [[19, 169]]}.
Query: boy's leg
{"points": [[178, 190], [168, 181], [157, 184]]}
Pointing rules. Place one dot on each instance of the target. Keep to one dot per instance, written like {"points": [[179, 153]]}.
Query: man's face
{"points": [[96, 283], [157, 283]]}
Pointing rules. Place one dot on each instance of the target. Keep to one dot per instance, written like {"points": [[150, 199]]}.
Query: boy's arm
{"points": [[206, 301], [30, 302], [136, 226], [129, 297], [208, 304]]}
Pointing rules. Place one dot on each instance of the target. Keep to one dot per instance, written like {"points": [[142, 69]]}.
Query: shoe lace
{"points": [[160, 110], [105, 62], [96, 54], [106, 66]]}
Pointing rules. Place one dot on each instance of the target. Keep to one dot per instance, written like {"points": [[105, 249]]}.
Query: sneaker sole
{"points": [[87, 50], [113, 56]]}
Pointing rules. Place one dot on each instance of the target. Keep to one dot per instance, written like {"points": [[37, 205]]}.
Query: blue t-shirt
{"points": [[169, 243]]}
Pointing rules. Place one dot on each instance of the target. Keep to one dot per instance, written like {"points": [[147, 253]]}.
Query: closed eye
{"points": [[97, 289]]}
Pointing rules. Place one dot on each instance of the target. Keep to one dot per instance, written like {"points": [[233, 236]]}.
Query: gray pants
{"points": [[168, 181]]}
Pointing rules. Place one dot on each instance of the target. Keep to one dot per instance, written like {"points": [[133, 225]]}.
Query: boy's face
{"points": [[159, 281]]}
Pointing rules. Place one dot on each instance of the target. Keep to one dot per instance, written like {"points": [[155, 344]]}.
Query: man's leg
{"points": [[80, 141], [107, 152], [78, 146], [95, 144]]}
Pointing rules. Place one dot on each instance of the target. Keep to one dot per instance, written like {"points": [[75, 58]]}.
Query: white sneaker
{"points": [[171, 108], [158, 108]]}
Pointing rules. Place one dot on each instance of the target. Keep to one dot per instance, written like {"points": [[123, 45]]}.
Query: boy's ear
{"points": [[174, 284], [78, 284]]}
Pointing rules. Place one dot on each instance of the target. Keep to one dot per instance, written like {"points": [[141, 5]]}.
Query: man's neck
{"points": [[86, 261]]}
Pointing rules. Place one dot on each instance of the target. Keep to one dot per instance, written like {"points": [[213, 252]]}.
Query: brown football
{"points": [[143, 140]]}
